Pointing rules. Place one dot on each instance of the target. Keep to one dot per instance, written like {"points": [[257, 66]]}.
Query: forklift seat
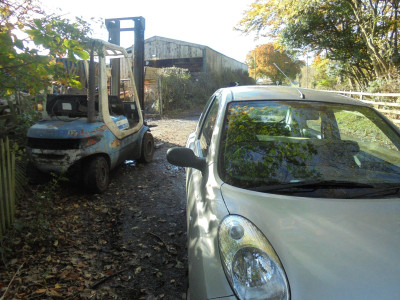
{"points": [[115, 105]]}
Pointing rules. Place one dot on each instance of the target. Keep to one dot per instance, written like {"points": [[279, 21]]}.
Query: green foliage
{"points": [[362, 36], [248, 160], [230, 77], [24, 121], [203, 85], [180, 89], [49, 191], [324, 76], [21, 118], [384, 85], [174, 86], [24, 30]]}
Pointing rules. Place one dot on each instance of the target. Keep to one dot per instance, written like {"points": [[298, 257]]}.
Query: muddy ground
{"points": [[128, 243]]}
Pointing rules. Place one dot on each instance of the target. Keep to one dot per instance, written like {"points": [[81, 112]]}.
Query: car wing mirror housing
{"points": [[185, 157]]}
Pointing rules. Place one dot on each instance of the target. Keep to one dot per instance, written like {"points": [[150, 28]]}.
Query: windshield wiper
{"points": [[379, 192], [315, 184]]}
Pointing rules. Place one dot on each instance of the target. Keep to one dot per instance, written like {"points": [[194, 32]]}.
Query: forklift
{"points": [[87, 133]]}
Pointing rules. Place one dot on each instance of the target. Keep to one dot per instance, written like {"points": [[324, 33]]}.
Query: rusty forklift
{"points": [[89, 132]]}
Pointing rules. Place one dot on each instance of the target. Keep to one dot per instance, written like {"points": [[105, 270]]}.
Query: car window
{"points": [[204, 113], [279, 142], [354, 125], [208, 126]]}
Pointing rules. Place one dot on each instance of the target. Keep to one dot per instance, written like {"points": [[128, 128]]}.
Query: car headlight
{"points": [[252, 267]]}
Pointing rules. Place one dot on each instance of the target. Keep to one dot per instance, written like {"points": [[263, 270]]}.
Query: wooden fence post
{"points": [[2, 193], [7, 186]]}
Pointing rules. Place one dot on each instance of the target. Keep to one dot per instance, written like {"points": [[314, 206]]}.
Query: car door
{"points": [[200, 144], [196, 181]]}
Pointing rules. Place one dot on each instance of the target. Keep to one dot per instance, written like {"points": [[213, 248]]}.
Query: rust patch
{"points": [[115, 143], [102, 128]]}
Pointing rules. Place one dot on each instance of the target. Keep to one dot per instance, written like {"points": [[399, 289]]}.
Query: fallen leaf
{"points": [[21, 296], [53, 293], [179, 265], [58, 286]]}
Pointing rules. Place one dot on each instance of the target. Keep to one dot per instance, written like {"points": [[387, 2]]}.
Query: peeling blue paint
{"points": [[79, 132]]}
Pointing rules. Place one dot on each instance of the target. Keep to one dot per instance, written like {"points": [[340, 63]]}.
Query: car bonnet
{"points": [[330, 248]]}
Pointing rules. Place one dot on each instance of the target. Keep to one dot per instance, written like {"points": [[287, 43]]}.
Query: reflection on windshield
{"points": [[280, 142]]}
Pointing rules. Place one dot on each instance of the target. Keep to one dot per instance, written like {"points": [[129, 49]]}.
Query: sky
{"points": [[206, 22]]}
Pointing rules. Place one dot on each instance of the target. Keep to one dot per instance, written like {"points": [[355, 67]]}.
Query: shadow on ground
{"points": [[128, 243]]}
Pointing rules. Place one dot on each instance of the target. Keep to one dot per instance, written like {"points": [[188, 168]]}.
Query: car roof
{"points": [[256, 92]]}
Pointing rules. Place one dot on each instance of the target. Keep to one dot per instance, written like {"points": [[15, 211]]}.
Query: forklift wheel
{"points": [[97, 174], [147, 148]]}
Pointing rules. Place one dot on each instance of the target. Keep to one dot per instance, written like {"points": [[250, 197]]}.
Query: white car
{"points": [[292, 194]]}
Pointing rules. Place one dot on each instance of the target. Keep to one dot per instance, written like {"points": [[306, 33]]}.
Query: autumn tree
{"points": [[265, 60], [361, 35], [326, 73], [31, 41]]}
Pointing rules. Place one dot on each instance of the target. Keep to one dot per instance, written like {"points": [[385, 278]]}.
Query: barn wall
{"points": [[217, 62], [164, 52], [162, 48]]}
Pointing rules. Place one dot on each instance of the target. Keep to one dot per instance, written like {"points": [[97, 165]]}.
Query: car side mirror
{"points": [[185, 157]]}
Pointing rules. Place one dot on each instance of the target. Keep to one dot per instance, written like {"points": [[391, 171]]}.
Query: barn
{"points": [[161, 52]]}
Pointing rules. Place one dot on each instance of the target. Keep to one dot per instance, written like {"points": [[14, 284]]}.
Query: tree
{"points": [[31, 41], [264, 61], [325, 73], [362, 35]]}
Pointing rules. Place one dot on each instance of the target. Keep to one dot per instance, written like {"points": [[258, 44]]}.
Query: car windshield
{"points": [[276, 146]]}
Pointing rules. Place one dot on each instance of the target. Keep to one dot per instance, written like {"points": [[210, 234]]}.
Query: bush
{"points": [[174, 84], [22, 117], [181, 89], [381, 85]]}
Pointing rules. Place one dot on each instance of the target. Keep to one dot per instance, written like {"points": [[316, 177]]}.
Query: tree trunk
{"points": [[382, 68]]}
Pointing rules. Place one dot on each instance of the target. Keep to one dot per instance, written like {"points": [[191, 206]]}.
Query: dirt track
{"points": [[128, 243]]}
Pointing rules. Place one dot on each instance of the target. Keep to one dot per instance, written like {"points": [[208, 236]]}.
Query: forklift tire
{"points": [[97, 174], [147, 148]]}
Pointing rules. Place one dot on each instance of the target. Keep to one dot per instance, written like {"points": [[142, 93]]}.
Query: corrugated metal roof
{"points": [[169, 40], [181, 43]]}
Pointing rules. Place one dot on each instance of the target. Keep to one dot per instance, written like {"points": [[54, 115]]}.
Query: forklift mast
{"points": [[114, 30]]}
